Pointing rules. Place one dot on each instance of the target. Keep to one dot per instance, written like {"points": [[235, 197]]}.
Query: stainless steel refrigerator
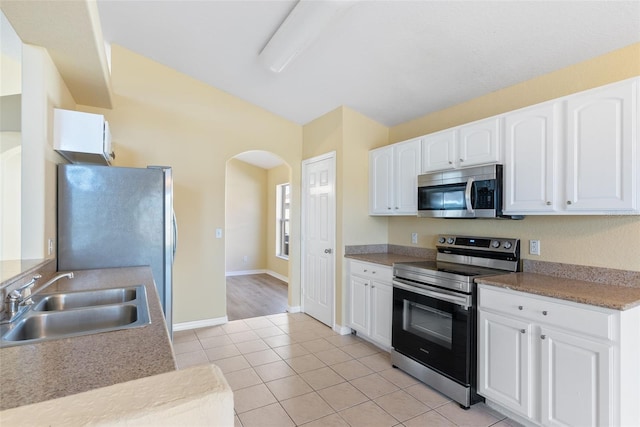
{"points": [[118, 217]]}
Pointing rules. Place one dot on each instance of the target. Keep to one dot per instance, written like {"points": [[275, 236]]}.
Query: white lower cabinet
{"points": [[558, 363], [371, 301]]}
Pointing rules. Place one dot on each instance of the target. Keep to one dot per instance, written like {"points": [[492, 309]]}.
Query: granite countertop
{"points": [[602, 295], [384, 258], [37, 372]]}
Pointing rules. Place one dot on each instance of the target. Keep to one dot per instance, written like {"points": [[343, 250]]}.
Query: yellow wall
{"points": [[351, 135], [161, 116], [246, 222], [275, 176], [43, 90], [602, 241]]}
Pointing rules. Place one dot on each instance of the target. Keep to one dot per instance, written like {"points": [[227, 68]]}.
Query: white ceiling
{"points": [[391, 60]]}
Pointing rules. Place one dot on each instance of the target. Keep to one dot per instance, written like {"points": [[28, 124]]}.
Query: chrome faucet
{"points": [[17, 302], [26, 300]]}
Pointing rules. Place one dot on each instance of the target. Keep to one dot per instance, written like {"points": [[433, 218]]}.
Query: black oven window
{"points": [[428, 323]]}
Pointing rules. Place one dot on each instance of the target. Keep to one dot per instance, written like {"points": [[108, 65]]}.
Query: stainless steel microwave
{"points": [[474, 192]]}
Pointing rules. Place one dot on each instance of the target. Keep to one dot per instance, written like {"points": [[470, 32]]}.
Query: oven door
{"points": [[434, 327]]}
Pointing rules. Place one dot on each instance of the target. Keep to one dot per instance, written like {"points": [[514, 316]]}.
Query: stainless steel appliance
{"points": [[474, 192], [434, 311], [118, 217]]}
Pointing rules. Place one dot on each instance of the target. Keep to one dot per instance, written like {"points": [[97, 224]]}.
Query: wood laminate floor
{"points": [[255, 295]]}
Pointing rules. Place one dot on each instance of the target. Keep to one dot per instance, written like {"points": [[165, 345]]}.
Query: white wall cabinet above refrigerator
{"points": [[82, 137], [393, 173], [476, 143], [575, 155]]}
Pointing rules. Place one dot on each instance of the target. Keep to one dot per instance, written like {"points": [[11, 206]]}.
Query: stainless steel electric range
{"points": [[434, 311]]}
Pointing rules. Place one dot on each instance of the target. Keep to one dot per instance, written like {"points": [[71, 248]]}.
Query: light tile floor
{"points": [[291, 370]]}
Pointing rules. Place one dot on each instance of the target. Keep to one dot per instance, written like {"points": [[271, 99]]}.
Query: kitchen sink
{"points": [[69, 300], [70, 314]]}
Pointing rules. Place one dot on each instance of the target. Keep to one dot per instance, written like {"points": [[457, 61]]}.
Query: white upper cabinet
{"points": [[438, 150], [472, 144], [393, 174], [531, 158], [574, 155], [602, 149]]}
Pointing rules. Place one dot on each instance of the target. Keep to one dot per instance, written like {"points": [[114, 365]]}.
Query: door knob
{"points": [[327, 251]]}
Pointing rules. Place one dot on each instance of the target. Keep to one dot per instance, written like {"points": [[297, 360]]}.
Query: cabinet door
{"points": [[531, 152], [438, 151], [479, 143], [602, 146], [576, 380], [406, 169], [381, 181], [381, 312], [359, 305], [505, 362]]}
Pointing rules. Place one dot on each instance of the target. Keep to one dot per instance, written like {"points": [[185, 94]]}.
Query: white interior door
{"points": [[318, 237]]}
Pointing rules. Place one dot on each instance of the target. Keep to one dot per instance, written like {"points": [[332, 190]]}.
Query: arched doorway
{"points": [[257, 211]]}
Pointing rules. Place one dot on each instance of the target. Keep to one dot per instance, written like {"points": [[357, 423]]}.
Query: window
{"points": [[283, 213]]}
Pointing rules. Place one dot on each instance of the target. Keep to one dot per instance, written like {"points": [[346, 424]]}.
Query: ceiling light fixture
{"points": [[299, 30]]}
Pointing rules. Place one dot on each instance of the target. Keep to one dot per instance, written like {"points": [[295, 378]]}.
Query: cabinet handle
{"points": [[568, 202], [397, 207], [366, 284], [543, 336], [450, 162], [389, 207], [520, 307], [373, 272], [372, 286], [522, 331], [548, 203], [544, 312], [461, 160]]}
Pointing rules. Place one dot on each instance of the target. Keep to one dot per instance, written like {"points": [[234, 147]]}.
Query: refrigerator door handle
{"points": [[175, 235]]}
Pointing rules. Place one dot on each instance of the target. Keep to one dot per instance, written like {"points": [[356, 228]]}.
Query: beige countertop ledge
{"points": [[34, 373], [602, 295]]}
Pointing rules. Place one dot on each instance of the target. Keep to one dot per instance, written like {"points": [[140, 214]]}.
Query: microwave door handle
{"points": [[467, 195]]}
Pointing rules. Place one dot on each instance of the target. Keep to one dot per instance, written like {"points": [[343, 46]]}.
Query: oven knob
{"points": [[507, 245], [441, 240], [450, 240], [495, 244]]}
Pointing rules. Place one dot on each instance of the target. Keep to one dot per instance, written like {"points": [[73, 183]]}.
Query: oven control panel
{"points": [[489, 244]]}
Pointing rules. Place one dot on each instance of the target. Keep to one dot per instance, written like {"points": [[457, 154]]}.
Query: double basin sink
{"points": [[70, 314]]}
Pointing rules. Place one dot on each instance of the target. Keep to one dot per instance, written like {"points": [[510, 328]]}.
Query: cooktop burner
{"points": [[460, 260]]}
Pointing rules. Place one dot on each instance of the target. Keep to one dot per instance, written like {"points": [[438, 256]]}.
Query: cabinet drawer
{"points": [[372, 271], [550, 311]]}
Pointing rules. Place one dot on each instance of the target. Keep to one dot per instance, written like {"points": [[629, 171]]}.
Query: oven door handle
{"points": [[442, 295], [467, 195]]}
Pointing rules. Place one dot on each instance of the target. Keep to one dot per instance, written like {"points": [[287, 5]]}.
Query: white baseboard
{"points": [[278, 276], [247, 272], [244, 272], [294, 309], [342, 330], [200, 324]]}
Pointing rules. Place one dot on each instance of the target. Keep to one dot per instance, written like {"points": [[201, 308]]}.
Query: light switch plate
{"points": [[414, 238], [218, 233]]}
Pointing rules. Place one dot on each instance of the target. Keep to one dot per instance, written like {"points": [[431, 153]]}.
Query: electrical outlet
{"points": [[50, 246], [218, 233], [245, 259], [534, 247], [414, 238]]}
